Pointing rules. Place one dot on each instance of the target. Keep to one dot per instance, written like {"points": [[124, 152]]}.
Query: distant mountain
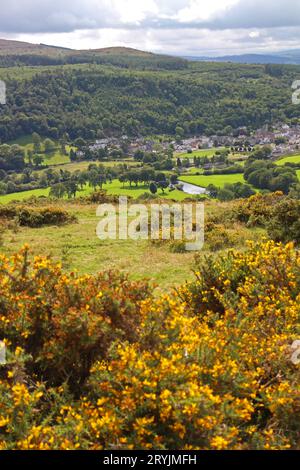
{"points": [[24, 53], [16, 53], [118, 50], [8, 48], [291, 57]]}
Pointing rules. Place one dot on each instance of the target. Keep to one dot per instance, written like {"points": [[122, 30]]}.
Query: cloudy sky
{"points": [[181, 27]]}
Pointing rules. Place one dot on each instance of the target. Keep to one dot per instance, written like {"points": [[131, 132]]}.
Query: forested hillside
{"points": [[91, 100]]}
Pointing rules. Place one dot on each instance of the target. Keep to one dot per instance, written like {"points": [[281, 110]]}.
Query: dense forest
{"points": [[94, 101]]}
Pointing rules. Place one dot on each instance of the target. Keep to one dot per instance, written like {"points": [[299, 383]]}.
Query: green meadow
{"points": [[201, 153], [54, 158], [113, 188], [22, 196], [289, 159], [79, 248], [217, 180]]}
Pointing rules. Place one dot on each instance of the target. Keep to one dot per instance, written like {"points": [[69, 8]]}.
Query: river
{"points": [[189, 188]]}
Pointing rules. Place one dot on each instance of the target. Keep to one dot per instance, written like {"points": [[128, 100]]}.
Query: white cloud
{"points": [[135, 11], [199, 10], [173, 26]]}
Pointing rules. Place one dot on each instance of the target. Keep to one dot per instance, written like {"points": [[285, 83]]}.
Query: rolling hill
{"points": [[16, 53], [8, 48], [291, 57]]}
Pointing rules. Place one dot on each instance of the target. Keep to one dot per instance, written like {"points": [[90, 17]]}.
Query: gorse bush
{"points": [[36, 217], [279, 214], [218, 237], [65, 322], [98, 363], [285, 221], [257, 210]]}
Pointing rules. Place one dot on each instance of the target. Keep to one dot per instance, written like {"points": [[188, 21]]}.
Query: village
{"points": [[283, 139]]}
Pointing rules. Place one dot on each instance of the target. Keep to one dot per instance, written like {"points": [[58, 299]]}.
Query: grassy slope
{"points": [[79, 248]]}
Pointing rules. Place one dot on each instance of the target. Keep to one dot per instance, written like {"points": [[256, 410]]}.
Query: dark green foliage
{"points": [[90, 101], [267, 175], [284, 225]]}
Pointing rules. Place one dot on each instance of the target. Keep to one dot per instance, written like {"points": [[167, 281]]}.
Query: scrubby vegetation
{"points": [[95, 362], [35, 217]]}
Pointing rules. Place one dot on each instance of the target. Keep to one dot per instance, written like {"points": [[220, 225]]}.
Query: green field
{"points": [[54, 158], [217, 180], [200, 153], [289, 159], [79, 249], [23, 195], [82, 166], [114, 188]]}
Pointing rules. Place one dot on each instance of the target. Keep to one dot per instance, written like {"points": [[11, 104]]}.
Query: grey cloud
{"points": [[260, 14], [36, 16], [32, 16], [277, 21]]}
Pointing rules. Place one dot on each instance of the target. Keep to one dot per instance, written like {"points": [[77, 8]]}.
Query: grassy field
{"points": [[217, 180], [81, 166], [289, 159], [200, 153], [54, 158], [79, 249], [114, 188], [22, 196]]}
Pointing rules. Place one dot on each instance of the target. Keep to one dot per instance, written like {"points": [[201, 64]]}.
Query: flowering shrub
{"points": [[65, 322], [97, 363], [256, 210]]}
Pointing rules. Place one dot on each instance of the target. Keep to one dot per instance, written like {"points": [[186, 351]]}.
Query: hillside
{"points": [[117, 51], [291, 57], [140, 97], [15, 53], [8, 48]]}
